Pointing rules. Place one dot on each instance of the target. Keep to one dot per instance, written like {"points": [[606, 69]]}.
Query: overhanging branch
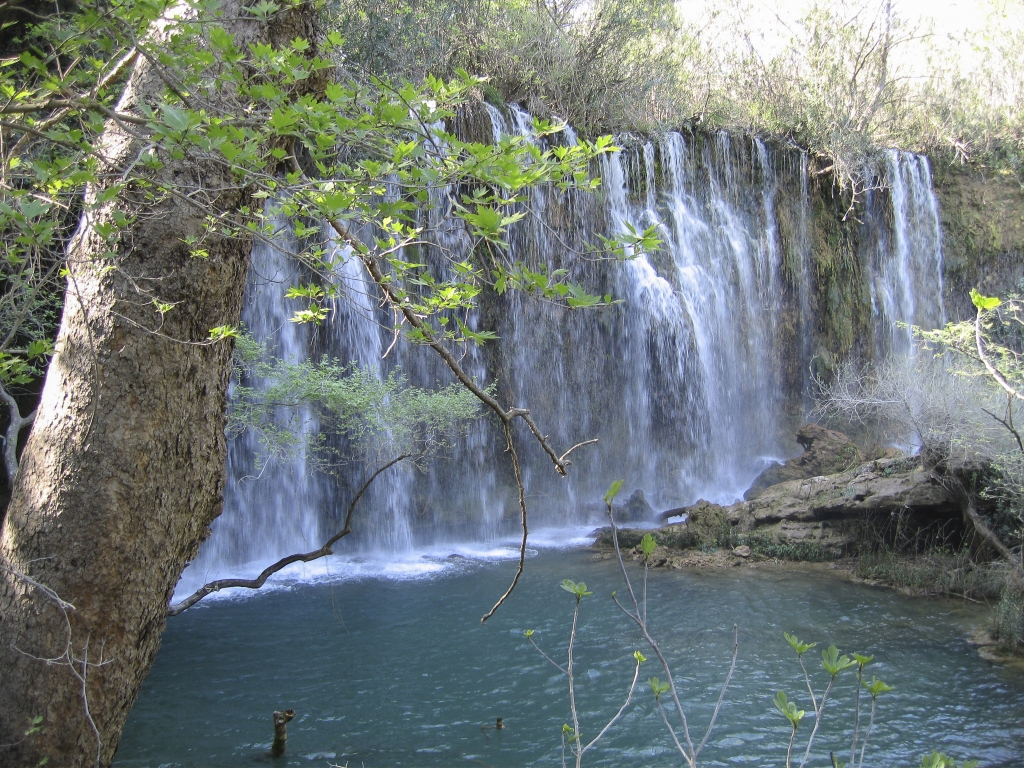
{"points": [[284, 562]]}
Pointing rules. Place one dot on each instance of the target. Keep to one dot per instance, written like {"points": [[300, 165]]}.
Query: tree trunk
{"points": [[124, 469]]}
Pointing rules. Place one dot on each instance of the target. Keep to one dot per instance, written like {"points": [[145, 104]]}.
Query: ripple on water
{"points": [[399, 672]]}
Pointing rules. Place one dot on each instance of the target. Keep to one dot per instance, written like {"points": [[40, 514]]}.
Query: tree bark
{"points": [[124, 468]]}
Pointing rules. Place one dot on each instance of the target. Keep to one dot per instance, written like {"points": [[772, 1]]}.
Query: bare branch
{"points": [[578, 445], [522, 508], [17, 423], [725, 687], [505, 416], [995, 373], [305, 557]]}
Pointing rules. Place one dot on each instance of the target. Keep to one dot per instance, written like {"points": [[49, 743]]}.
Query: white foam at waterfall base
{"points": [[415, 563]]}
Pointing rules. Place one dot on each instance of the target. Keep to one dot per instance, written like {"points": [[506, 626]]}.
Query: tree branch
{"points": [[988, 364], [505, 416], [270, 570], [971, 513], [17, 423]]}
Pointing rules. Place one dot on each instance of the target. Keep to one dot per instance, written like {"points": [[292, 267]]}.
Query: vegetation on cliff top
{"points": [[842, 79]]}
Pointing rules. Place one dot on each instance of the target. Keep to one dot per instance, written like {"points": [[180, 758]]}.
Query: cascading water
{"points": [[691, 383], [271, 508], [906, 265]]}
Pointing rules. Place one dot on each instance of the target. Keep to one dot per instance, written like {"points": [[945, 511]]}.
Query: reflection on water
{"points": [[399, 671]]}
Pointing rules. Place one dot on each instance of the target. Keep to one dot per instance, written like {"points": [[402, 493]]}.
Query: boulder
{"points": [[829, 508], [635, 509], [706, 522], [826, 452]]}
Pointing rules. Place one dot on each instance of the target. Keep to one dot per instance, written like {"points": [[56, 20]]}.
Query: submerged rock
{"points": [[826, 452]]}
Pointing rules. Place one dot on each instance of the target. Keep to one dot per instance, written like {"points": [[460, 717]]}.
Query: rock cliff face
{"points": [[830, 508], [810, 518], [982, 214]]}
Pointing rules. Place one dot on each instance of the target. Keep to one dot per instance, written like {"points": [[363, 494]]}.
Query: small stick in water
{"points": [[498, 726], [281, 731]]}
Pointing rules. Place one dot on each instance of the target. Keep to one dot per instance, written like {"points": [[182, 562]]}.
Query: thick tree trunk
{"points": [[124, 468]]}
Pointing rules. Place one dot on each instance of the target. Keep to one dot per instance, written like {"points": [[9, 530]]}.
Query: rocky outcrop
{"points": [[826, 452], [828, 507], [822, 514], [635, 509]]}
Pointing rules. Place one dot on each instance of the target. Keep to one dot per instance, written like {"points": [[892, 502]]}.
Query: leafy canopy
{"points": [[307, 138]]}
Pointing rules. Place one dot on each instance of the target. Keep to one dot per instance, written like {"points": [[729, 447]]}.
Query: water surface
{"points": [[400, 672]]}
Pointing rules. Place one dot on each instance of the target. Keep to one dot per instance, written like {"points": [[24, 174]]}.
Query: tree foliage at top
{"points": [[311, 138]]}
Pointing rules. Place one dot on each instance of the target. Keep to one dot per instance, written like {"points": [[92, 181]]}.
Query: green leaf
{"points": [[876, 687], [798, 646], [578, 589], [658, 687], [788, 708], [862, 661], [176, 118], [647, 545], [984, 303], [315, 314], [940, 760], [223, 332], [833, 662], [613, 491]]}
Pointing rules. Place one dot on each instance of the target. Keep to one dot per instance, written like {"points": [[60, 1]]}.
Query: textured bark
{"points": [[124, 468]]}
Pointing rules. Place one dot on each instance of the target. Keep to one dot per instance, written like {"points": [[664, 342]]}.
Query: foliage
{"points": [[963, 405], [311, 142], [833, 88], [934, 572], [603, 66], [924, 399], [843, 79], [292, 407], [1008, 620]]}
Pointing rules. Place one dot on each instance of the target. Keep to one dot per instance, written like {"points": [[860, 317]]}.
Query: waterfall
{"points": [[692, 381], [906, 284], [271, 509]]}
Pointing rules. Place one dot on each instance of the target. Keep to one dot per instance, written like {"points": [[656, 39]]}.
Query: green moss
{"points": [[843, 296], [492, 95]]}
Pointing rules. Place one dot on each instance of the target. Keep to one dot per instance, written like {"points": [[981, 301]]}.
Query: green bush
{"points": [[1008, 621], [607, 65]]}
